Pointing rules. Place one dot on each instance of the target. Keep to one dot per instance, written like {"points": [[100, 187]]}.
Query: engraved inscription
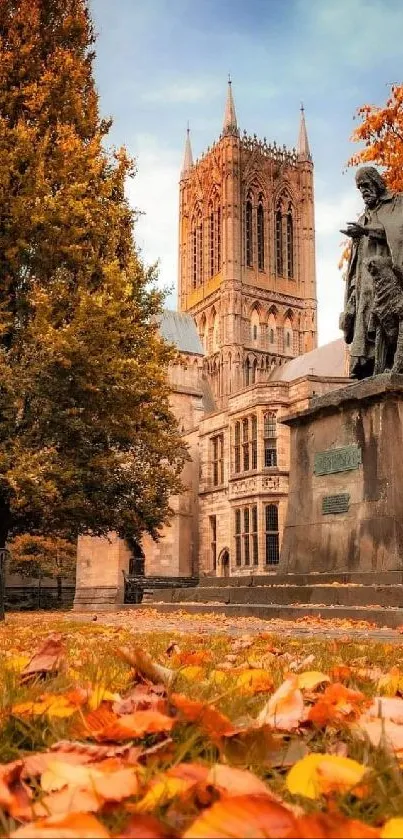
{"points": [[337, 460], [336, 503]]}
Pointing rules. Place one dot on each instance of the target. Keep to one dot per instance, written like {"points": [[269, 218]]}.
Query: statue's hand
{"points": [[354, 230]]}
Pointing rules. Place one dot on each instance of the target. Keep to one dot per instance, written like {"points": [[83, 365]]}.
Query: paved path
{"points": [[149, 620]]}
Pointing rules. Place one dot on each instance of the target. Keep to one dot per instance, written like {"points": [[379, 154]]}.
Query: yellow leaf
{"points": [[322, 774], [163, 791], [218, 676], [254, 681], [311, 679], [392, 829], [99, 694], [192, 673], [16, 663]]}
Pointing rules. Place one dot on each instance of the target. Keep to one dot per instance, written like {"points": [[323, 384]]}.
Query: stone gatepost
{"points": [[345, 504], [99, 576]]}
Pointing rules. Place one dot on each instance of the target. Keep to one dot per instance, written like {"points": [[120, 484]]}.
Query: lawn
{"points": [[114, 732]]}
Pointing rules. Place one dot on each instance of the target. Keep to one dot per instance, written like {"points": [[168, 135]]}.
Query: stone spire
{"points": [[303, 144], [230, 125], [188, 157]]}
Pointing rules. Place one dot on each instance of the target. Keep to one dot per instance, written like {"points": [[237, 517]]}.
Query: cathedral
{"points": [[246, 331]]}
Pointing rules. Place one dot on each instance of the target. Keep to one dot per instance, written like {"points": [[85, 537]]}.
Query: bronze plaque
{"points": [[336, 503], [337, 460]]}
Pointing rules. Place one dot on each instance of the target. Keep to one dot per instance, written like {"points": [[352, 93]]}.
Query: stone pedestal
{"points": [[345, 506], [99, 576]]}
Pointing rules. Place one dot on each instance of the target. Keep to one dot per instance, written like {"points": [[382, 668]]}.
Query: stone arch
{"points": [[224, 562]]}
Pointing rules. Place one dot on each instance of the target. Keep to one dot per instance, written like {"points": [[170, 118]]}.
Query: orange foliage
{"points": [[381, 131]]}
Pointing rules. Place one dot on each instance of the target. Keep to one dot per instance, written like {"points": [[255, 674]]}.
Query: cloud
{"points": [[332, 213], [154, 191], [183, 92]]}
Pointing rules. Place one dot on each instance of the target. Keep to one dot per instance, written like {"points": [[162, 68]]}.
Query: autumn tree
{"points": [[42, 556], [381, 131], [87, 440]]}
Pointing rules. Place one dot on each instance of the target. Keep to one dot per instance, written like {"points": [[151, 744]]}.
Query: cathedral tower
{"points": [[247, 253]]}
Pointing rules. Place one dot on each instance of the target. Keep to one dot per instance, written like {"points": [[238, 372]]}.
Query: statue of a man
{"points": [[378, 233]]}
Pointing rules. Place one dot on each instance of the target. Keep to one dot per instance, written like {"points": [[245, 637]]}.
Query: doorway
{"points": [[224, 563]]}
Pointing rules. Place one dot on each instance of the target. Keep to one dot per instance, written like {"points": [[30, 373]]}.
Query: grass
{"points": [[92, 658]]}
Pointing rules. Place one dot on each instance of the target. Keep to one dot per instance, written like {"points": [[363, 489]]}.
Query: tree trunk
{"points": [[5, 523], [59, 589]]}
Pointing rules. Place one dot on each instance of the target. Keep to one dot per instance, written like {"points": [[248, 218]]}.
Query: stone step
{"points": [[357, 577], [285, 595], [390, 617]]}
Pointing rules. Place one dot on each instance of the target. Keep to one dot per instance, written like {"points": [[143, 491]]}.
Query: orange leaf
{"points": [[215, 724], [245, 815], [143, 827], [103, 724], [337, 704], [70, 826], [253, 681], [324, 826], [15, 797]]}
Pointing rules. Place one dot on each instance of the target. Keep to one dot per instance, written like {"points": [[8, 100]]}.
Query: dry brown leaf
{"points": [[234, 817], [45, 660], [143, 663], [285, 710]]}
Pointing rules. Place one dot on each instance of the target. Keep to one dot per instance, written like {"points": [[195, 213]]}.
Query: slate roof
{"points": [[179, 328], [328, 360]]}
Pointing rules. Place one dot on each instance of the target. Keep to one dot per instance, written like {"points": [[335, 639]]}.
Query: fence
{"points": [[30, 598]]}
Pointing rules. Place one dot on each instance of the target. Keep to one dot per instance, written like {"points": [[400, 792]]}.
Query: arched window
{"points": [[218, 239], [270, 439], [254, 371], [272, 540], [272, 331], [290, 243], [212, 241], [199, 248], [279, 243], [216, 335], [249, 232], [237, 447], [271, 336], [194, 257], [260, 234]]}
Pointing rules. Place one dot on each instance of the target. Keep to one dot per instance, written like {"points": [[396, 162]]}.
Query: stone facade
{"points": [[247, 333]]}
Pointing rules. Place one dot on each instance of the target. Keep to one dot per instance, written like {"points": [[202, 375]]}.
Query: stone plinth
{"points": [[345, 506], [99, 576]]}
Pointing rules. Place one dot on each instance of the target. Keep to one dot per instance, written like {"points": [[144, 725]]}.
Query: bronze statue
{"points": [[373, 308]]}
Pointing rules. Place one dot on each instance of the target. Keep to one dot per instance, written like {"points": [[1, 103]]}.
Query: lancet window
{"points": [[249, 231], [260, 234]]}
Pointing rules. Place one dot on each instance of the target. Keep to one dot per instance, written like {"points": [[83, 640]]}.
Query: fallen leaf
{"points": [[311, 679], [237, 782], [392, 829], [143, 663], [236, 817], [388, 708], [143, 827], [337, 704], [15, 796], [251, 682], [70, 826], [323, 774], [215, 724], [103, 724], [285, 709], [47, 659], [143, 697], [381, 731], [332, 826]]}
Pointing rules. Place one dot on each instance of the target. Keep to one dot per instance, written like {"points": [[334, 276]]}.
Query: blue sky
{"points": [[161, 63]]}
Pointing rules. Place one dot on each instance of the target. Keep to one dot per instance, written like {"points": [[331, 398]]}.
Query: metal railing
{"points": [[136, 585]]}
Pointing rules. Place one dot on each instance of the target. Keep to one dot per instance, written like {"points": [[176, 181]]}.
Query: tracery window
{"points": [[237, 447], [279, 243], [218, 240], [260, 234], [199, 251], [245, 444], [249, 231], [290, 243], [212, 242], [213, 541], [217, 456]]}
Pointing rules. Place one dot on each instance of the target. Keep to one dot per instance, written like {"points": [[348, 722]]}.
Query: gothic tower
{"points": [[247, 253]]}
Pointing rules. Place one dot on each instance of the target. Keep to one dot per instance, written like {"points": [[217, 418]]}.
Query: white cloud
{"points": [[154, 191]]}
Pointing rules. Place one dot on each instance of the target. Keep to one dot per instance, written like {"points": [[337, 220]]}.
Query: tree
{"points": [[88, 443], [381, 131], [43, 556]]}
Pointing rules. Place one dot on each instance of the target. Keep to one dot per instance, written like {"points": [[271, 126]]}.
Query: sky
{"points": [[162, 63]]}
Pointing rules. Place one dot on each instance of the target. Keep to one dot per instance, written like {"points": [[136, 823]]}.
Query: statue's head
{"points": [[371, 185]]}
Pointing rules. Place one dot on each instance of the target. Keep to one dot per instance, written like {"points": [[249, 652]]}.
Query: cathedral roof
{"points": [[329, 361], [179, 328]]}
